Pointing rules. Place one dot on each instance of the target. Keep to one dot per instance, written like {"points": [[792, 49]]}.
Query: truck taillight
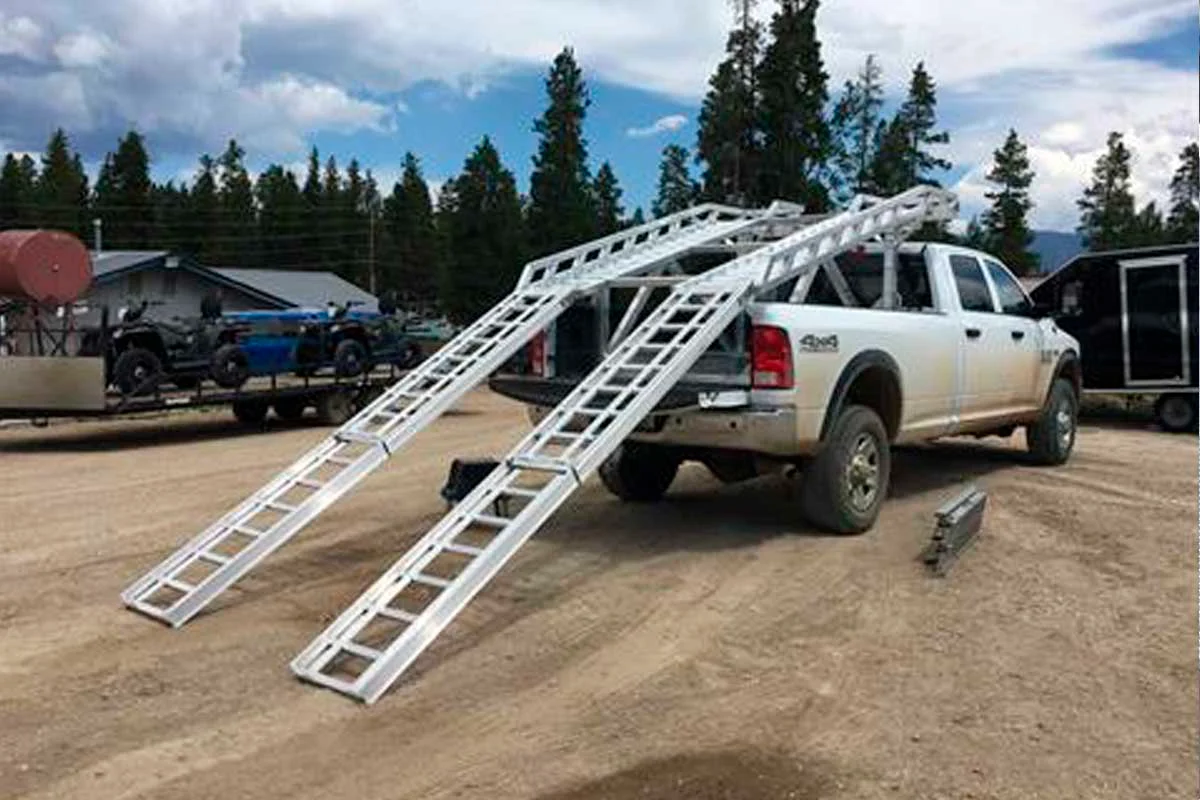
{"points": [[770, 358], [537, 355]]}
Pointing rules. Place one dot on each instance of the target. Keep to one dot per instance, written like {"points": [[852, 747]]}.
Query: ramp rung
{"points": [[282, 507], [341, 462], [397, 615], [358, 438], [431, 580], [179, 586], [361, 650], [213, 558], [492, 521], [464, 550], [539, 464], [307, 484], [517, 491], [255, 532]]}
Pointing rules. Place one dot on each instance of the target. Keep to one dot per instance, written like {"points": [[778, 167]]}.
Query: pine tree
{"points": [[123, 195], [1148, 228], [412, 260], [205, 212], [1005, 225], [1183, 220], [62, 188], [236, 244], [173, 220], [606, 198], [797, 142], [18, 180], [329, 244], [561, 211], [281, 225], [1107, 212], [313, 220], [727, 141], [638, 218], [354, 258], [481, 211], [855, 124], [676, 189], [903, 157]]}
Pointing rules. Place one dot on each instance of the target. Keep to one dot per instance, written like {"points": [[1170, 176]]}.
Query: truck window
{"points": [[864, 275], [1010, 294], [972, 288]]}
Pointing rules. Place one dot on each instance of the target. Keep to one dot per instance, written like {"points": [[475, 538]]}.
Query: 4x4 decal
{"points": [[812, 343]]}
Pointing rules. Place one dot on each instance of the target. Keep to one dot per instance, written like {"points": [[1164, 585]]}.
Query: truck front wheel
{"points": [[1176, 413], [639, 474], [845, 484], [1052, 437]]}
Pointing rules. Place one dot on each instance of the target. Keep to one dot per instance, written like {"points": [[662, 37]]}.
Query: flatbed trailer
{"points": [[38, 389]]}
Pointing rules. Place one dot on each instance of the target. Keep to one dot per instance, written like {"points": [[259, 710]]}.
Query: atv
{"points": [[142, 353], [355, 343]]}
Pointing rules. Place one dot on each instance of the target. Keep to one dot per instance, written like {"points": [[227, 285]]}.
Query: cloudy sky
{"points": [[373, 78]]}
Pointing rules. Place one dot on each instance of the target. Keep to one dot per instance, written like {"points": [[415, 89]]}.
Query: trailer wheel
{"points": [[335, 408], [1176, 413], [137, 371], [844, 486], [639, 474], [350, 358], [1052, 437], [290, 409], [230, 366], [250, 412]]}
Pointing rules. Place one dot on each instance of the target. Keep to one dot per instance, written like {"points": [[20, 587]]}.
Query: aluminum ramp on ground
{"points": [[374, 640], [188, 580]]}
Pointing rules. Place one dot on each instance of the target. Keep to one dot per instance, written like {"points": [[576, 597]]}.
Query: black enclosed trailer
{"points": [[1134, 314]]}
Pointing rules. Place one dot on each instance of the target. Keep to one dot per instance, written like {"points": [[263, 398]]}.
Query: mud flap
{"points": [[958, 524]]}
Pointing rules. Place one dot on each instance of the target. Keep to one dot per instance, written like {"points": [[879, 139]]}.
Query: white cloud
{"points": [[667, 124], [272, 72]]}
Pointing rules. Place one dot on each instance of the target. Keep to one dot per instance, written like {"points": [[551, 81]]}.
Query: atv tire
{"points": [[230, 366], [137, 372], [350, 359]]}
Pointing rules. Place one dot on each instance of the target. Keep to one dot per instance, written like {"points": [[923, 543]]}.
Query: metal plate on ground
{"points": [[957, 527]]}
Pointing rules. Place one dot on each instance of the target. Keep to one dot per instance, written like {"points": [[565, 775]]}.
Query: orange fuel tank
{"points": [[47, 267]]}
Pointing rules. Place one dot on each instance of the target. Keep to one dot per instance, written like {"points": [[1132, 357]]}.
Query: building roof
{"points": [[299, 289], [110, 261]]}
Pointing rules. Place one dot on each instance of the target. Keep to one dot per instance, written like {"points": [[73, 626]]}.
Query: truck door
{"points": [[985, 343], [1154, 321], [1023, 360]]}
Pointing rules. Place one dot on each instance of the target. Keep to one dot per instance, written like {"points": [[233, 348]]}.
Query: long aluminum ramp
{"points": [[187, 581], [374, 640]]}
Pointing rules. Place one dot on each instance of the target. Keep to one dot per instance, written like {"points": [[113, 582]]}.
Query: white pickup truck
{"points": [[823, 378]]}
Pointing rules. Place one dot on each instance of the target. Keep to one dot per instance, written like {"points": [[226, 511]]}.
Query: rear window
{"points": [[864, 278]]}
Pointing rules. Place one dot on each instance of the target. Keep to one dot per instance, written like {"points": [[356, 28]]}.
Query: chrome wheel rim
{"points": [[1066, 426], [862, 473]]}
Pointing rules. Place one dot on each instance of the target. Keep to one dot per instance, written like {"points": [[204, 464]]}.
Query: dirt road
{"points": [[707, 647]]}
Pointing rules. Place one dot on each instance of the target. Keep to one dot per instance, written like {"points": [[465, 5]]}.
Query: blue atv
{"points": [[305, 341]]}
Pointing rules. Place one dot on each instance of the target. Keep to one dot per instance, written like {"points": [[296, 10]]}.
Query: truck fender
{"points": [[867, 359], [1068, 366]]}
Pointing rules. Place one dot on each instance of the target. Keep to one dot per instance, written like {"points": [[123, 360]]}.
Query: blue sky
{"points": [[374, 78]]}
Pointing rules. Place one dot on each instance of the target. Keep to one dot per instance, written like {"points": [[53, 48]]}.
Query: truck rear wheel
{"points": [[1176, 413], [845, 484], [1052, 437], [639, 474], [290, 409]]}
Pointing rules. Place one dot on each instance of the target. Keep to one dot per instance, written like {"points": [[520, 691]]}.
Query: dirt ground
{"points": [[708, 647]]}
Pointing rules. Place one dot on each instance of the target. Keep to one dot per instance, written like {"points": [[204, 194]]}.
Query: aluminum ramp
{"points": [[182, 585], [370, 644]]}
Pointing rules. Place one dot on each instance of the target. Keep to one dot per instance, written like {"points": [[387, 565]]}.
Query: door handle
{"points": [[974, 333], [1018, 335]]}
